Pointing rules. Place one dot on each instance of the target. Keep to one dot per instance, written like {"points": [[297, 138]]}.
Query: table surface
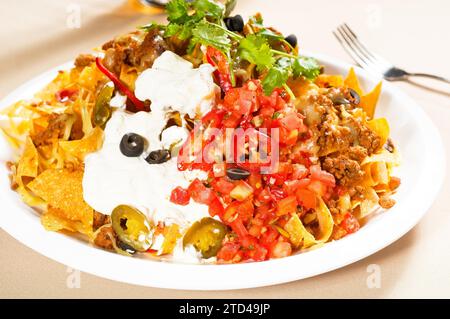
{"points": [[41, 34]]}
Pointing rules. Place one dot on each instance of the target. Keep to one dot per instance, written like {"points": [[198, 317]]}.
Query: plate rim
{"points": [[244, 271]]}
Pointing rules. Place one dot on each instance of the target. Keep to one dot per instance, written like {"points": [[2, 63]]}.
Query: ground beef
{"points": [[364, 136], [84, 60], [356, 192], [113, 59], [346, 171], [386, 202], [333, 138], [99, 220], [104, 238], [145, 54], [333, 206], [357, 153], [133, 52], [54, 130]]}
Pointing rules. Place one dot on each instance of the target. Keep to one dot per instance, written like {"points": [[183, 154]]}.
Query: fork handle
{"points": [[431, 76]]}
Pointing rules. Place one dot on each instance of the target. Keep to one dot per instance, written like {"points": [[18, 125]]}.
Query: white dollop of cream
{"points": [[172, 84], [112, 179]]}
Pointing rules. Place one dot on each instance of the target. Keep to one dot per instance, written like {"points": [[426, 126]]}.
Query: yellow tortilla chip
{"points": [[298, 235], [370, 100], [62, 189], [52, 220], [381, 127], [88, 144], [326, 222], [325, 80], [29, 162], [352, 82]]}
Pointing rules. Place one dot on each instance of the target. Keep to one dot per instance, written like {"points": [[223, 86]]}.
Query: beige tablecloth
{"points": [[38, 35]]}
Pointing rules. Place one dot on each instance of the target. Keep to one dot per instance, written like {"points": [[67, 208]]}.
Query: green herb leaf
{"points": [[275, 78], [306, 66], [177, 11], [151, 26], [270, 34], [256, 50], [208, 8], [172, 29], [210, 34]]}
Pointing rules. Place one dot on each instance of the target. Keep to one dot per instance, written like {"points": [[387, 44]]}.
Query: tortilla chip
{"points": [[298, 235], [352, 82], [370, 100], [327, 80], [62, 189], [52, 220], [381, 127], [88, 144], [326, 222], [29, 162]]}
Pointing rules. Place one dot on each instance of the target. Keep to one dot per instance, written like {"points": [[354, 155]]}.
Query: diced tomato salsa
{"points": [[255, 208]]}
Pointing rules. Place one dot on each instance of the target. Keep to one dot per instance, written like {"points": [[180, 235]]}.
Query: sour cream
{"points": [[112, 179], [173, 84]]}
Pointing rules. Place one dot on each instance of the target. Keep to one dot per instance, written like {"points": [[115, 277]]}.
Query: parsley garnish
{"points": [[210, 34], [255, 49], [201, 22]]}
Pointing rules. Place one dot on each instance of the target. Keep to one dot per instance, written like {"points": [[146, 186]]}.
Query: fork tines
{"points": [[358, 51]]}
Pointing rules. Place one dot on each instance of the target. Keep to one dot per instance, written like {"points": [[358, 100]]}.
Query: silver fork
{"points": [[372, 61]]}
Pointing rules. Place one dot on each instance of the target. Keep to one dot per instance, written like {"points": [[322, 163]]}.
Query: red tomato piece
{"points": [[238, 227], [228, 251], [281, 249], [216, 207], [318, 187], [350, 223], [269, 237], [200, 193], [321, 175], [222, 185], [306, 198], [291, 121], [180, 196], [245, 209]]}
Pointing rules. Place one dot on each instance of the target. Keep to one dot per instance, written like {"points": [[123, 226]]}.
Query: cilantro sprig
{"points": [[201, 22]]}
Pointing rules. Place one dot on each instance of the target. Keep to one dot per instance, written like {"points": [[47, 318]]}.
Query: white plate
{"points": [[422, 173]]}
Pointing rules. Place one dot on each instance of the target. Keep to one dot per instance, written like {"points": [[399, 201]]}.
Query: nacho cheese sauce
{"points": [[112, 179]]}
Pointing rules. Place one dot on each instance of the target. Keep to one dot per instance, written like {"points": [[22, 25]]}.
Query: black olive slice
{"points": [[132, 145], [292, 40], [355, 96], [237, 173], [158, 156], [235, 24]]}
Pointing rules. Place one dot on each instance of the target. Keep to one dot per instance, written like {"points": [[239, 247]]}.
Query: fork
{"points": [[372, 61]]}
